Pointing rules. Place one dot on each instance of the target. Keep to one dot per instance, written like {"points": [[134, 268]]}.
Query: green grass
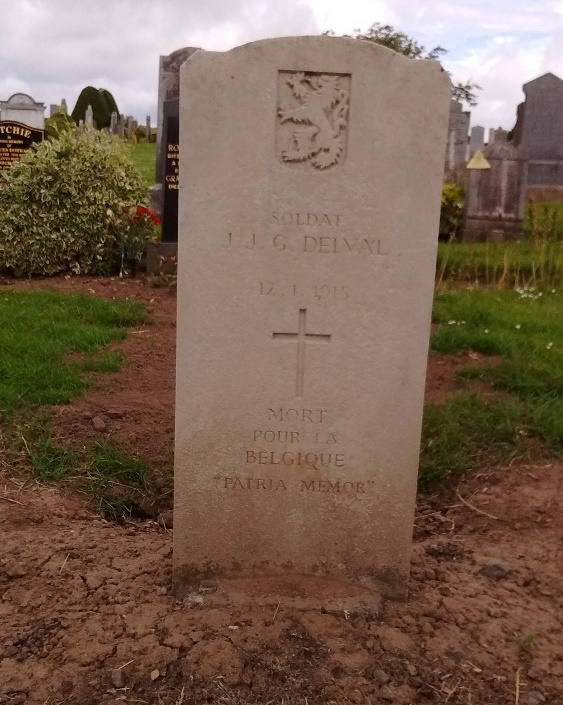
{"points": [[524, 331], [144, 156], [37, 331], [112, 479], [540, 215], [503, 265]]}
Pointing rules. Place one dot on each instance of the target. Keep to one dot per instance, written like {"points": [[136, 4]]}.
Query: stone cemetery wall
{"points": [[308, 231]]}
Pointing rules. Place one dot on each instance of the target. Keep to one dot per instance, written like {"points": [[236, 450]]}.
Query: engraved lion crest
{"points": [[318, 115]]}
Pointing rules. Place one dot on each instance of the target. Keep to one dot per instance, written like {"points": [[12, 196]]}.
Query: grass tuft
{"points": [[37, 330], [524, 329]]}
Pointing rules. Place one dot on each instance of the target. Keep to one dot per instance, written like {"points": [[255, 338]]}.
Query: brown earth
{"points": [[87, 614]]}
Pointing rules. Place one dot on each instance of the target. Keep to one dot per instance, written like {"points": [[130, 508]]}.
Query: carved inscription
{"points": [[172, 177], [301, 337], [312, 118], [15, 140], [308, 233], [320, 292], [344, 487], [303, 432]]}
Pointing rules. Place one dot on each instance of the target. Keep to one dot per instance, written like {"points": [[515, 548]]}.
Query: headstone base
{"points": [[298, 592], [162, 257], [155, 199], [491, 230]]}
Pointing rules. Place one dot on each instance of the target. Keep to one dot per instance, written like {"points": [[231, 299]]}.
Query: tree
{"points": [[102, 102], [388, 36]]}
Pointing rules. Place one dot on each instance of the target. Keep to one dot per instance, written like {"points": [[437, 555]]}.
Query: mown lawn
{"points": [[144, 156], [37, 331]]}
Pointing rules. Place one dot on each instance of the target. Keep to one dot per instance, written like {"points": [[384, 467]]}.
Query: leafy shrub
{"points": [[451, 213], [57, 124], [66, 206]]}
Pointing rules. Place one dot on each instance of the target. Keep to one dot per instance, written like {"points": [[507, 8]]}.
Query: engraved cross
{"points": [[302, 337]]}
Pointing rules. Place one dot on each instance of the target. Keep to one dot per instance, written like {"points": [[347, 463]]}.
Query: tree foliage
{"points": [[102, 102], [66, 206], [388, 36], [57, 124], [110, 101]]}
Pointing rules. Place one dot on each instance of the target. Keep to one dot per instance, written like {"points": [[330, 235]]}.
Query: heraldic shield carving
{"points": [[312, 118]]}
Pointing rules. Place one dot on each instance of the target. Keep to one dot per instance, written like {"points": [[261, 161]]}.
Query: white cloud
{"points": [[53, 48]]}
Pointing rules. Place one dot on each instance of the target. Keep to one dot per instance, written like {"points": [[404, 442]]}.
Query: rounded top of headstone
{"points": [[501, 148], [20, 99], [173, 61]]}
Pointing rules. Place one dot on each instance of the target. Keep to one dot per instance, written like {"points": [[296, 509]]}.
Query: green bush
{"points": [[66, 206], [110, 101], [451, 213], [57, 124], [100, 108]]}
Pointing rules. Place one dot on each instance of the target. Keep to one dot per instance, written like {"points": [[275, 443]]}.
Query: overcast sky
{"points": [[53, 48]]}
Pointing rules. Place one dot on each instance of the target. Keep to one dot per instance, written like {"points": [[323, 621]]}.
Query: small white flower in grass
{"points": [[540, 293], [517, 326], [549, 346], [452, 323], [553, 291], [486, 330]]}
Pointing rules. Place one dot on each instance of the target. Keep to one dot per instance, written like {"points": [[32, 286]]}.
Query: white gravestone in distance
{"points": [[309, 212]]}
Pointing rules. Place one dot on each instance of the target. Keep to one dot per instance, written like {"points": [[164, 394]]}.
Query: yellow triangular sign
{"points": [[478, 161]]}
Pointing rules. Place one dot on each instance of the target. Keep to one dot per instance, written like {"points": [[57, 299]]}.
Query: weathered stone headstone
{"points": [[89, 118], [476, 139], [113, 123], [495, 197], [15, 140], [148, 128], [539, 130], [309, 213], [168, 90], [458, 134]]}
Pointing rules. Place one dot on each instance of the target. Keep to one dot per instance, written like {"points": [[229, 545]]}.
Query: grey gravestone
{"points": [[495, 197], [21, 107], [458, 131], [113, 123], [89, 117], [168, 89], [148, 129], [476, 139], [539, 130]]}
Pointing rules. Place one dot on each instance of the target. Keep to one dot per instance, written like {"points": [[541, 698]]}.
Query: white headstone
{"points": [[308, 230]]}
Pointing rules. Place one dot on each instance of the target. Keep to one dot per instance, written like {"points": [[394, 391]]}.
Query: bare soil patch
{"points": [[87, 614]]}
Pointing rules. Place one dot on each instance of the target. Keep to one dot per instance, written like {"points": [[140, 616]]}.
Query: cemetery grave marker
{"points": [[309, 212], [15, 140]]}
